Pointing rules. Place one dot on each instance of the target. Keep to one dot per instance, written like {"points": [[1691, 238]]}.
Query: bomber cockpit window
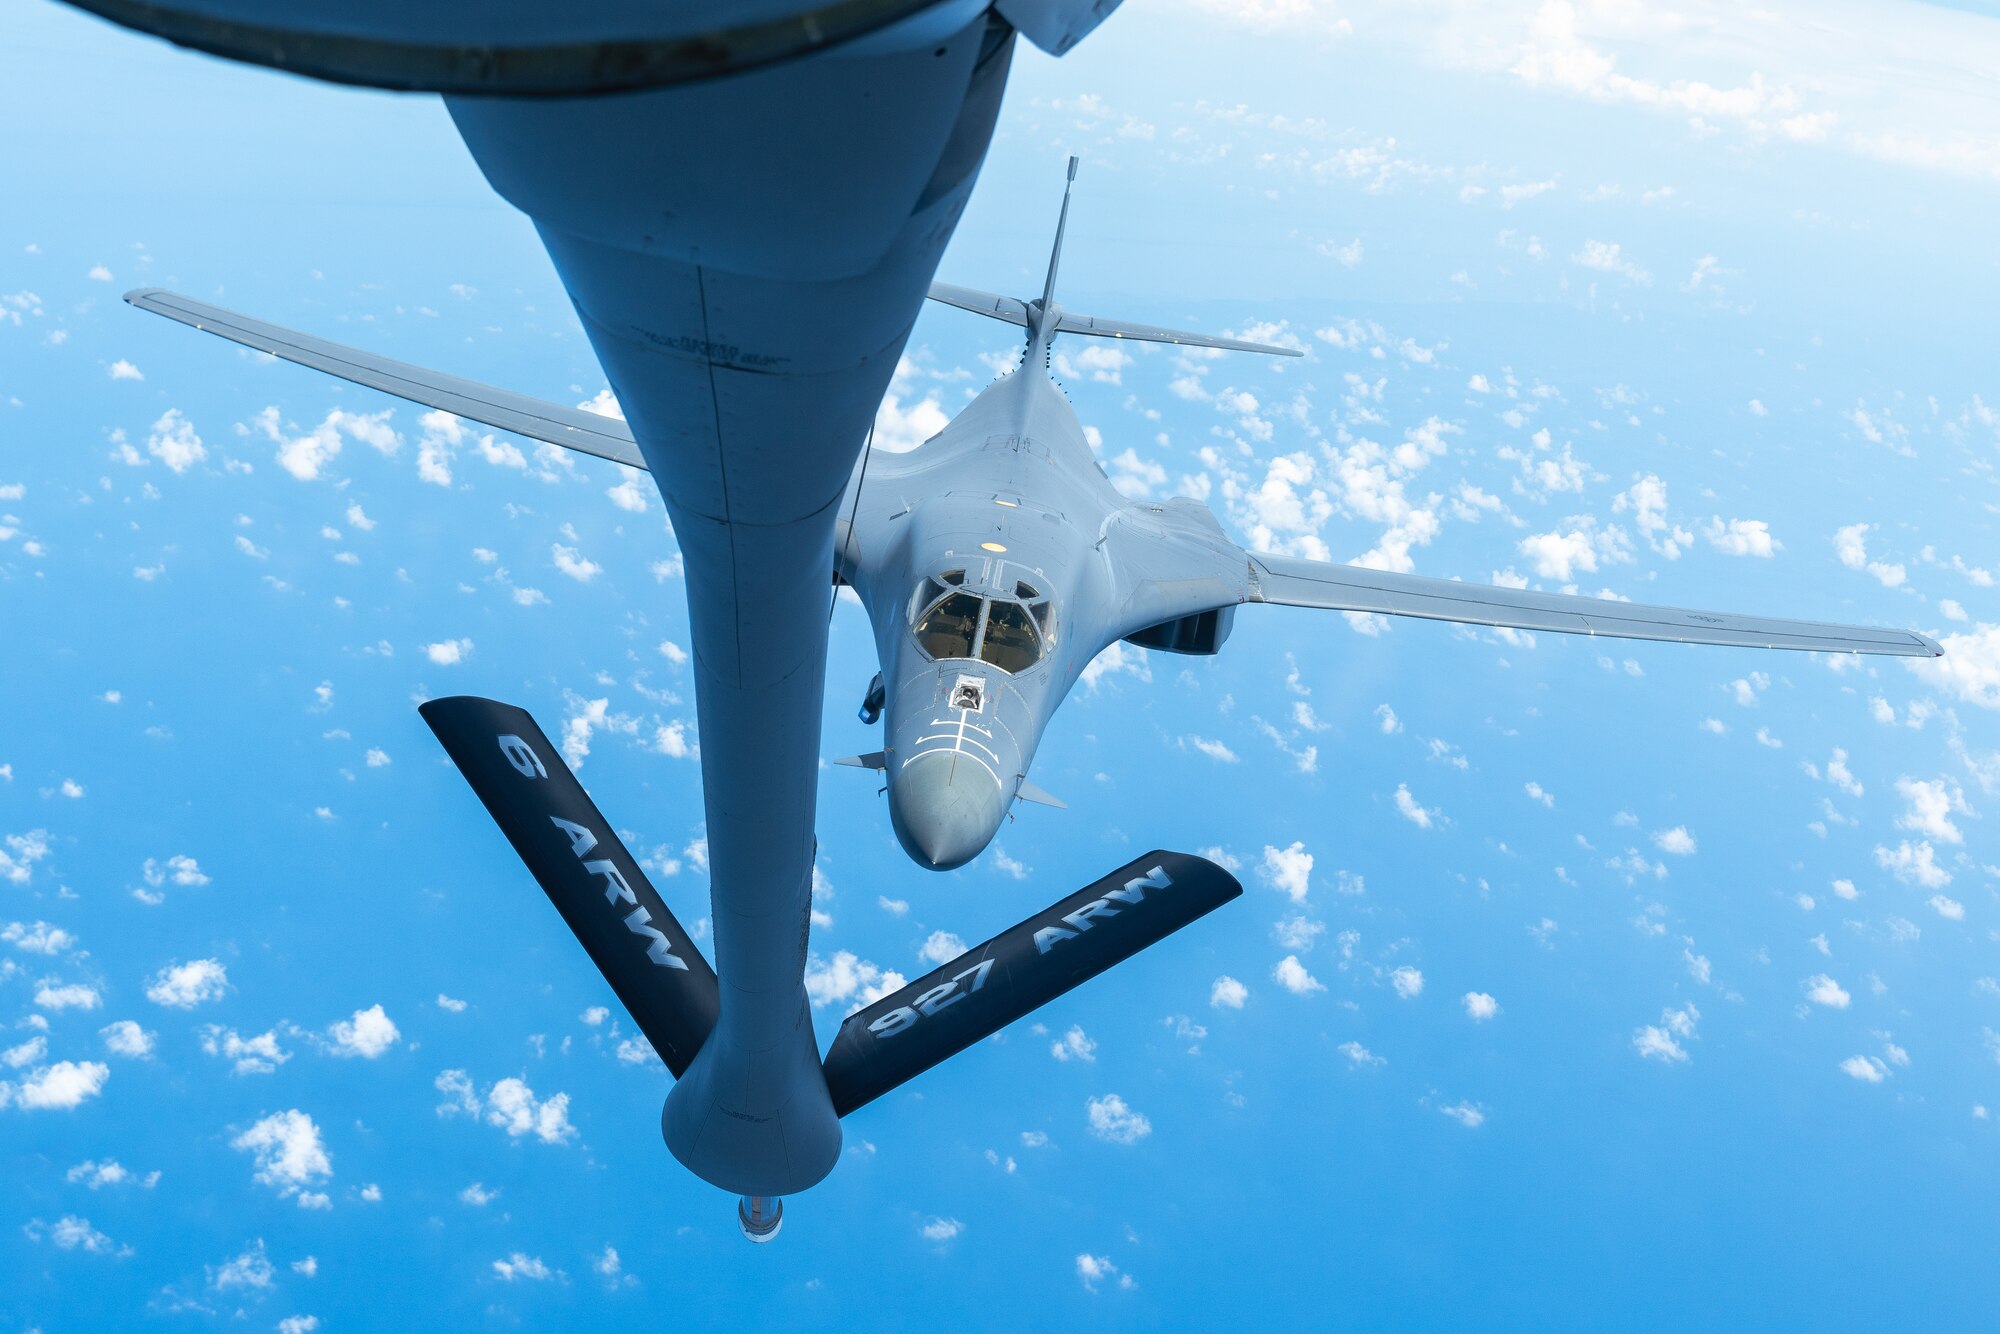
{"points": [[947, 630], [1012, 643], [950, 621]]}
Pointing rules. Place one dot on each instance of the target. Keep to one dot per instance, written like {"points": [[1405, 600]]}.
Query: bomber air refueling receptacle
{"points": [[747, 288]]}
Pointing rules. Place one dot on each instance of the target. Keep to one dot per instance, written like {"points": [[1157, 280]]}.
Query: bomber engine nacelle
{"points": [[1202, 633]]}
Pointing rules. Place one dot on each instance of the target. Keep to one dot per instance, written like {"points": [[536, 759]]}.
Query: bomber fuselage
{"points": [[981, 559]]}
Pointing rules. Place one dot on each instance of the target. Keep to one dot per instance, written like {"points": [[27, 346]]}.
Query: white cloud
{"points": [[368, 1034], [630, 493], [1468, 1114], [509, 1104], [71, 1233], [1414, 813], [1823, 990], [1536, 792], [513, 1106], [898, 429], [1293, 977], [1228, 993], [1850, 545], [1360, 1057], [67, 996], [1408, 982], [1677, 841], [942, 947], [1913, 864], [180, 869], [1215, 750], [520, 1267], [125, 1038], [1742, 537], [174, 443], [307, 455], [22, 852], [1609, 257], [1969, 669], [1288, 869], [1867, 1069], [1931, 806], [125, 370], [259, 1055], [1298, 933], [58, 1087], [1119, 659], [574, 564], [1558, 555], [1114, 1122], [848, 977], [1092, 1270], [110, 1172], [289, 1153], [1480, 1006], [252, 1269], [448, 652], [941, 1229], [37, 938], [1075, 1045], [27, 1053], [1661, 1042], [183, 986], [450, 1004]]}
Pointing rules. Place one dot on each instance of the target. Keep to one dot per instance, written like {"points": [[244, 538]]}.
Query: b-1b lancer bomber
{"points": [[996, 560]]}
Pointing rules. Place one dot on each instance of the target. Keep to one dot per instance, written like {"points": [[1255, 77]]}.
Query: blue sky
{"points": [[1575, 984]]}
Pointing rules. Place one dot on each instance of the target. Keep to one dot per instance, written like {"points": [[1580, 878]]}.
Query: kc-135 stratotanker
{"points": [[995, 561]]}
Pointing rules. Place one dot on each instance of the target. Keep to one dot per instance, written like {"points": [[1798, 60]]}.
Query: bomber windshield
{"points": [[1011, 641], [1009, 635], [947, 630]]}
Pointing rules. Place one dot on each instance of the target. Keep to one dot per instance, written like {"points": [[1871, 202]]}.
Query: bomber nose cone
{"points": [[946, 808]]}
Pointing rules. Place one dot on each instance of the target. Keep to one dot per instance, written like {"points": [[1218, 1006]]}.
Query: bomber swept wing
{"points": [[1292, 582], [503, 409]]}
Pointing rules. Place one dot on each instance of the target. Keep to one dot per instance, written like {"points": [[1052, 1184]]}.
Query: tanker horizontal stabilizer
{"points": [[503, 409], [1024, 967], [644, 953]]}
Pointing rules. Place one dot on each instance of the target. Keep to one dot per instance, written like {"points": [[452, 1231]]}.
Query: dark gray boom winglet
{"points": [[1024, 967], [648, 958]]}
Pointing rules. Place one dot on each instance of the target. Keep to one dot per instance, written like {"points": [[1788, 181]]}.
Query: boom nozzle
{"points": [[760, 1216]]}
